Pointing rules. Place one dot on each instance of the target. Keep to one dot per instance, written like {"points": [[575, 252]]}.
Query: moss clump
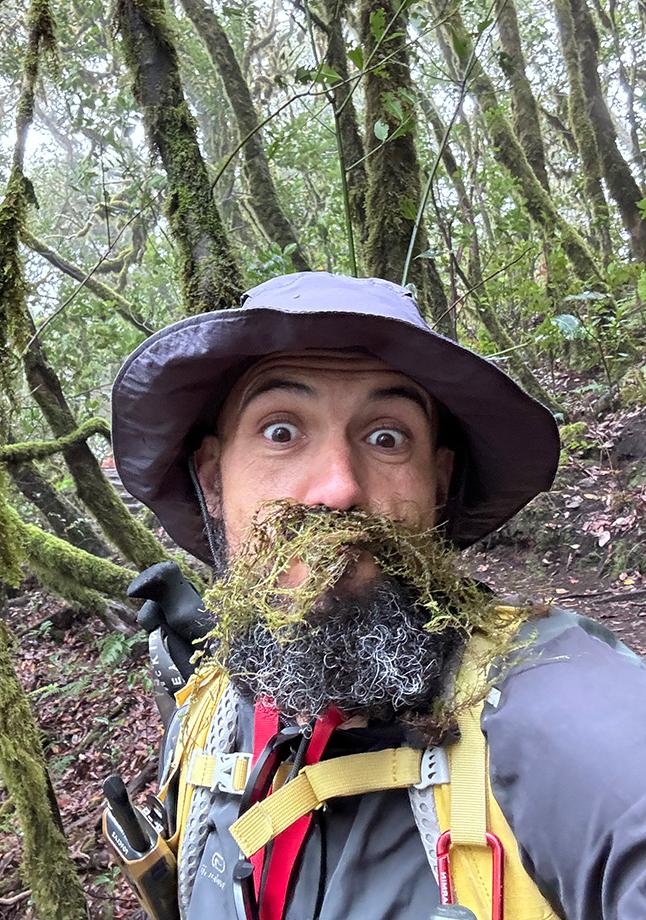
{"points": [[11, 551], [328, 545], [47, 867]]}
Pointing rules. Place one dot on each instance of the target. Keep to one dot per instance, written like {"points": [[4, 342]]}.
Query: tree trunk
{"points": [[210, 275], [583, 132], [620, 180], [136, 543], [61, 515], [523, 104], [47, 866], [474, 278], [264, 197], [394, 189], [509, 153], [352, 144]]}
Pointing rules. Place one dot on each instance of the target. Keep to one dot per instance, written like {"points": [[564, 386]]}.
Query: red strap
{"points": [[265, 726], [287, 845]]}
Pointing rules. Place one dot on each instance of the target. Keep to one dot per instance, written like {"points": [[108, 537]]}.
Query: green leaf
{"points": [[381, 130], [304, 74], [569, 326], [356, 56], [641, 204], [393, 106], [325, 74], [378, 23], [460, 46], [641, 285], [408, 208]]}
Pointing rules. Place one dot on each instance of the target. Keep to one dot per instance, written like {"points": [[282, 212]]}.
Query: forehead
{"points": [[357, 369]]}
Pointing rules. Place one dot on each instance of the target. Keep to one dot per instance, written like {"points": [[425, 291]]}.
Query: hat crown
{"points": [[322, 292]]}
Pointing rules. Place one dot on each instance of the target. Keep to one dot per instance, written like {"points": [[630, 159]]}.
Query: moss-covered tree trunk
{"points": [[135, 541], [583, 132], [47, 867], [619, 178], [210, 275], [342, 92], [264, 196], [524, 109], [65, 520], [394, 188], [507, 150]]}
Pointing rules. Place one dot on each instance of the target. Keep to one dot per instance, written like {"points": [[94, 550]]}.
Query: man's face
{"points": [[329, 429]]}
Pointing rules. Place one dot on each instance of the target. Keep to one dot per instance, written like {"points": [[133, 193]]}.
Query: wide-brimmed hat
{"points": [[167, 392]]}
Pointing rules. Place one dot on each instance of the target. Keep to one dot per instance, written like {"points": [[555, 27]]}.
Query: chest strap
{"points": [[355, 774]]}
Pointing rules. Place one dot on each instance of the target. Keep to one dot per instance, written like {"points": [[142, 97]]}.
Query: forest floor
{"points": [[581, 546]]}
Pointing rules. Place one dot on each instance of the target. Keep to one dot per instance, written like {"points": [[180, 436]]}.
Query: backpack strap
{"points": [[462, 804]]}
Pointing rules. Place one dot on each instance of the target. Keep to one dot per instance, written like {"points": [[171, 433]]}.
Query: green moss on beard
{"points": [[328, 543]]}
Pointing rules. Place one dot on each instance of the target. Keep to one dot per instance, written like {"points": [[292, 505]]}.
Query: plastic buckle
{"points": [[225, 765], [497, 872], [433, 768]]}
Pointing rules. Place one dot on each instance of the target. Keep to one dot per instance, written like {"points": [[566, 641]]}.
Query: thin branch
{"points": [[429, 182], [124, 308], [85, 280]]}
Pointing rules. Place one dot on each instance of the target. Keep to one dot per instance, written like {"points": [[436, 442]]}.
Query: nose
{"points": [[334, 480]]}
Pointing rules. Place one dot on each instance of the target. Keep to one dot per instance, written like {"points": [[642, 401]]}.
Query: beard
{"points": [[387, 652], [367, 655]]}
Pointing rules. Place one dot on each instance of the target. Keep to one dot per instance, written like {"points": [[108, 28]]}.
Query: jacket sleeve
{"points": [[567, 748]]}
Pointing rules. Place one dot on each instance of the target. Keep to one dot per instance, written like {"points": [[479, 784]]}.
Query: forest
{"points": [[158, 158]]}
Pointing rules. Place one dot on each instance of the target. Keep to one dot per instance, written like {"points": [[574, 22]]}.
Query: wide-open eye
{"points": [[280, 432], [387, 438]]}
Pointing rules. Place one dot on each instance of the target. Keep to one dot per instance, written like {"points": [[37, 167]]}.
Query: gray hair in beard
{"points": [[367, 655]]}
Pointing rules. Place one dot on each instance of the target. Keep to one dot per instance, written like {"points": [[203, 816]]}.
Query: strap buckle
{"points": [[225, 770], [497, 872], [433, 768]]}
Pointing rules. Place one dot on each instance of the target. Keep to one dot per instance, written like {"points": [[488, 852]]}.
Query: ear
{"points": [[207, 465], [444, 459]]}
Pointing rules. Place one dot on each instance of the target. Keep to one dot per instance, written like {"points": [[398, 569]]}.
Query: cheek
{"points": [[247, 483]]}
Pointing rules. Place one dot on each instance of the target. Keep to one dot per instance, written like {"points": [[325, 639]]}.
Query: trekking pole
{"points": [[143, 854]]}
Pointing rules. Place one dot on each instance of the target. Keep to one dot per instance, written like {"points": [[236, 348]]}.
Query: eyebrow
{"points": [[400, 391], [403, 392], [292, 386]]}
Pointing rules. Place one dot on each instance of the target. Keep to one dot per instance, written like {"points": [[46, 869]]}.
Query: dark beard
{"points": [[367, 655]]}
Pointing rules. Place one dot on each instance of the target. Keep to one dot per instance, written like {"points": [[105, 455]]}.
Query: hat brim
{"points": [[169, 387]]}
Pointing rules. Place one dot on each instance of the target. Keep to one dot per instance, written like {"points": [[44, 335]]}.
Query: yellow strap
{"points": [[468, 758], [394, 768]]}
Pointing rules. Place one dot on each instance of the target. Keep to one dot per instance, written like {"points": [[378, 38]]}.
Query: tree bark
{"points": [[46, 863], [353, 149], [620, 180], [583, 132], [136, 543], [474, 277], [509, 153], [61, 515], [394, 188], [264, 196], [210, 274], [523, 104]]}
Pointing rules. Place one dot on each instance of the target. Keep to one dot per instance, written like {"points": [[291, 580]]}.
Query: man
{"points": [[333, 394]]}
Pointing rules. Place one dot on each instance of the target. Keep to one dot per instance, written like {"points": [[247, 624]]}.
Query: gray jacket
{"points": [[567, 747]]}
